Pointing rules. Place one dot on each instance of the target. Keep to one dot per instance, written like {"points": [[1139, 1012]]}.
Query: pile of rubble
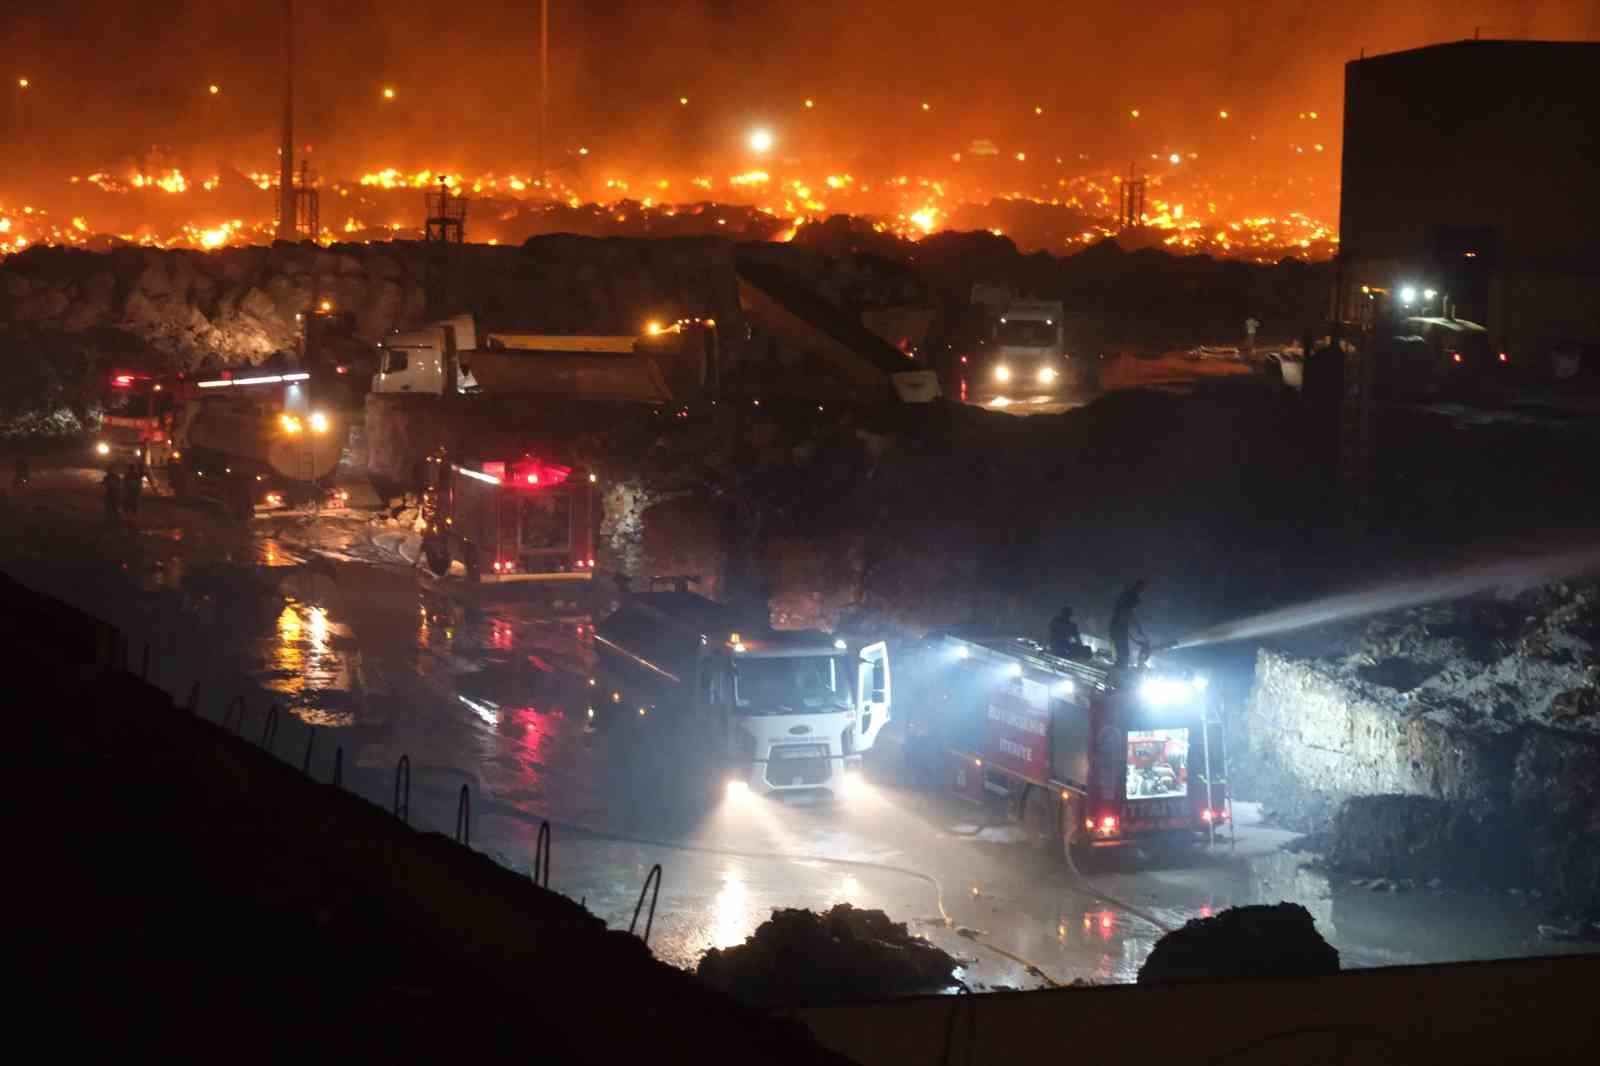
{"points": [[801, 957], [1457, 740], [1277, 940]]}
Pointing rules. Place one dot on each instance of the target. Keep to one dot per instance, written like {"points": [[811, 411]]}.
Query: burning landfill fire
{"points": [[753, 121], [1192, 205]]}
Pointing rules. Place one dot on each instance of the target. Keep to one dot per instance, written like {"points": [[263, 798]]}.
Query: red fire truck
{"points": [[135, 406], [1081, 752], [508, 519]]}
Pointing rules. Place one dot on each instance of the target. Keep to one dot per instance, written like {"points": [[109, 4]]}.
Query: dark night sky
{"points": [[113, 77]]}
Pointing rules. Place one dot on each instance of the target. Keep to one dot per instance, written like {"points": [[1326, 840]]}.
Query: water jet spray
{"points": [[1512, 574]]}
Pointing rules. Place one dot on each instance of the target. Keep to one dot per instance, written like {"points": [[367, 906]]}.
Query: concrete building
{"points": [[1471, 171]]}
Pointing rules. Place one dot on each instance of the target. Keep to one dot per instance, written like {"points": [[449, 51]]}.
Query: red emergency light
{"points": [[534, 474]]}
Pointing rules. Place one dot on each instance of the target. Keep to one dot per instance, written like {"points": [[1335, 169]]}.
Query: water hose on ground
{"points": [[773, 856]]}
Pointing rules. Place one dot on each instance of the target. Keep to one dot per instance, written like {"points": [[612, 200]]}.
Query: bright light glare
{"points": [[1428, 294], [1160, 691], [1047, 375], [962, 651], [1014, 670], [761, 141], [1065, 687], [840, 644], [1002, 373], [652, 328], [1174, 158], [319, 422], [854, 786], [737, 791], [1201, 682], [1408, 295], [103, 448]]}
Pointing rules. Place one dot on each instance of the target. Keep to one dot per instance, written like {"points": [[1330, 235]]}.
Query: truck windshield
{"points": [[128, 403], [1025, 333], [793, 685]]}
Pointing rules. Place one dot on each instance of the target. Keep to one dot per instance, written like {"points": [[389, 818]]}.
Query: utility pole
{"points": [[286, 193], [544, 86]]}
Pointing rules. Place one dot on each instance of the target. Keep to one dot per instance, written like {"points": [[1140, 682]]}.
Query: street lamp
{"points": [[761, 140]]}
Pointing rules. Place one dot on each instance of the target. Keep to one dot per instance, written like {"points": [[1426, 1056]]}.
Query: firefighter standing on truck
{"points": [[1125, 623], [1066, 640]]}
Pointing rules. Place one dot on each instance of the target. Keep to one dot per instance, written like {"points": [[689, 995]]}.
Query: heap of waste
{"points": [[801, 957], [1458, 740], [1277, 940]]}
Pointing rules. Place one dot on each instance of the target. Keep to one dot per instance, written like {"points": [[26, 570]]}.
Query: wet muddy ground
{"points": [[321, 616]]}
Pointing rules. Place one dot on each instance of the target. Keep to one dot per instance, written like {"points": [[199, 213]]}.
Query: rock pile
{"points": [[1457, 740], [801, 957], [240, 304], [1276, 940], [1417, 838]]}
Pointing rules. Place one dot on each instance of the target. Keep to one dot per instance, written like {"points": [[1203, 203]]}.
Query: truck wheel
{"points": [[437, 556], [1041, 818]]}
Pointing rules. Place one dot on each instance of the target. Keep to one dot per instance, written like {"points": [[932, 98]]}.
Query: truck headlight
{"points": [[1002, 373], [737, 791], [102, 448], [1047, 375]]}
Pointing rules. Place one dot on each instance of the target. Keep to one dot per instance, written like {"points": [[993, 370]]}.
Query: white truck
{"points": [[789, 712], [449, 385], [452, 357], [1022, 357]]}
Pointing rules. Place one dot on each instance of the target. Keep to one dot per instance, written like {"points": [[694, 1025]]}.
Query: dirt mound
{"points": [[1493, 662], [1421, 838], [1276, 940], [799, 956]]}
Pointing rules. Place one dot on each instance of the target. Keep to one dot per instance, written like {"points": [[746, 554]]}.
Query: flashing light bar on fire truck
{"points": [[227, 380]]}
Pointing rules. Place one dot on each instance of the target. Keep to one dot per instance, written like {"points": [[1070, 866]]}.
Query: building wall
{"points": [[1483, 147]]}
